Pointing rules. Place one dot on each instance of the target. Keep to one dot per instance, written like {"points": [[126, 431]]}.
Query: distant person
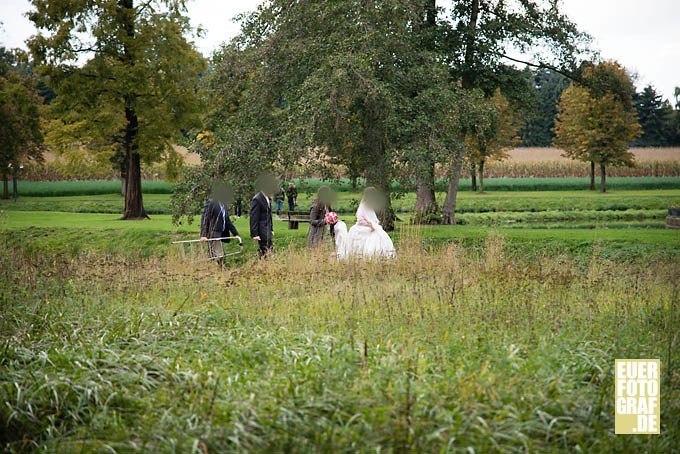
{"points": [[238, 207], [215, 221], [321, 205], [279, 198], [261, 225], [292, 196]]}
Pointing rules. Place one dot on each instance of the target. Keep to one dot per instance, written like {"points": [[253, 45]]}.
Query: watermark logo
{"points": [[637, 393]]}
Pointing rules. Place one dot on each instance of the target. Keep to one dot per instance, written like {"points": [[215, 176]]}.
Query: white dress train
{"points": [[366, 238]]}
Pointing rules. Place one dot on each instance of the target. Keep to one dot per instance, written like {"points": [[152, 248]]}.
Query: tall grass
{"points": [[456, 349]]}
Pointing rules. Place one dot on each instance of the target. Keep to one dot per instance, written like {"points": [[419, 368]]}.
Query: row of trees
{"points": [[384, 88], [658, 118]]}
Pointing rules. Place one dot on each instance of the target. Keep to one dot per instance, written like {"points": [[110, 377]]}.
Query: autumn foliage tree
{"points": [[125, 76], [596, 118]]}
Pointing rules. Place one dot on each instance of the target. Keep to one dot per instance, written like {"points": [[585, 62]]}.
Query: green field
{"points": [[499, 334], [310, 185]]}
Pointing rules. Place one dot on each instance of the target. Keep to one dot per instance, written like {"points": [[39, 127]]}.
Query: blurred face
{"points": [[268, 184], [374, 199], [222, 193], [325, 195]]}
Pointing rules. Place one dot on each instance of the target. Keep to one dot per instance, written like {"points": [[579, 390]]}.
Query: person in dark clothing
{"points": [[215, 223], [317, 217], [279, 198], [292, 196], [261, 225]]}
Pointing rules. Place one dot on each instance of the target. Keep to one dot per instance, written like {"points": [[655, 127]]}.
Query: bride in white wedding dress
{"points": [[366, 238]]}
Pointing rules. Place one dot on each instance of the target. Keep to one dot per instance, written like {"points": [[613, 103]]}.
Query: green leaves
{"points": [[594, 122], [21, 136]]}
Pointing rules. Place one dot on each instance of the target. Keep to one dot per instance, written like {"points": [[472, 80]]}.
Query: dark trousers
{"points": [[265, 248], [291, 205]]}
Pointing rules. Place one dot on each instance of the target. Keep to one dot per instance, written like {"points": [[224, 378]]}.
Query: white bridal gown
{"points": [[366, 238]]}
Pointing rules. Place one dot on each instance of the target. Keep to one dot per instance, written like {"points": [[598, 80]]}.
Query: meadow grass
{"points": [[496, 335], [451, 349], [86, 187]]}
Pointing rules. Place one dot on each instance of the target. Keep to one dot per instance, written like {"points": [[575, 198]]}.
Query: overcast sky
{"points": [[644, 35]]}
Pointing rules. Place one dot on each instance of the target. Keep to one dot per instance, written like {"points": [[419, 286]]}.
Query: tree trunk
{"points": [[134, 205], [449, 209], [468, 82], [377, 170], [473, 177], [481, 175], [5, 186], [426, 200], [603, 178], [592, 175]]}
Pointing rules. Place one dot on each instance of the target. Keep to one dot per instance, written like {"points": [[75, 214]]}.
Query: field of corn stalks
{"points": [[449, 349], [521, 163]]}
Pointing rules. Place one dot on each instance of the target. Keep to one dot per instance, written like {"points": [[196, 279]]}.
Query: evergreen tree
{"points": [[656, 118], [538, 128]]}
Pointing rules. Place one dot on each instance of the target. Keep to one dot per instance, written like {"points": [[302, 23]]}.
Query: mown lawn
{"points": [[53, 232], [468, 202]]}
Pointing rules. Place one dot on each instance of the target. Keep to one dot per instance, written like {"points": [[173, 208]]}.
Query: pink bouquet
{"points": [[331, 217]]}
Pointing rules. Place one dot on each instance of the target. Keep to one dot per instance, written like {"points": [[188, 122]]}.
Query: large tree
{"points": [[480, 42], [125, 75], [330, 83], [596, 119], [21, 136]]}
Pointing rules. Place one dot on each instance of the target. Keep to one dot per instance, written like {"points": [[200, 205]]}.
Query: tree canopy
{"points": [[21, 135], [548, 86], [656, 118], [376, 87], [125, 75], [596, 120]]}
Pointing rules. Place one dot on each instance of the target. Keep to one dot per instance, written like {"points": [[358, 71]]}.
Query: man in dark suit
{"points": [[261, 225], [215, 222]]}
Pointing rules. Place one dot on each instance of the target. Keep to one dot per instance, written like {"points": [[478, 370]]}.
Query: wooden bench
{"points": [[295, 217]]}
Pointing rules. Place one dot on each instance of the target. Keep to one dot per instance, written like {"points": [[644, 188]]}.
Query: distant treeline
{"points": [[659, 118]]}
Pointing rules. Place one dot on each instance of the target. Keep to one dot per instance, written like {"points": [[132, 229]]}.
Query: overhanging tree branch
{"points": [[542, 65]]}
